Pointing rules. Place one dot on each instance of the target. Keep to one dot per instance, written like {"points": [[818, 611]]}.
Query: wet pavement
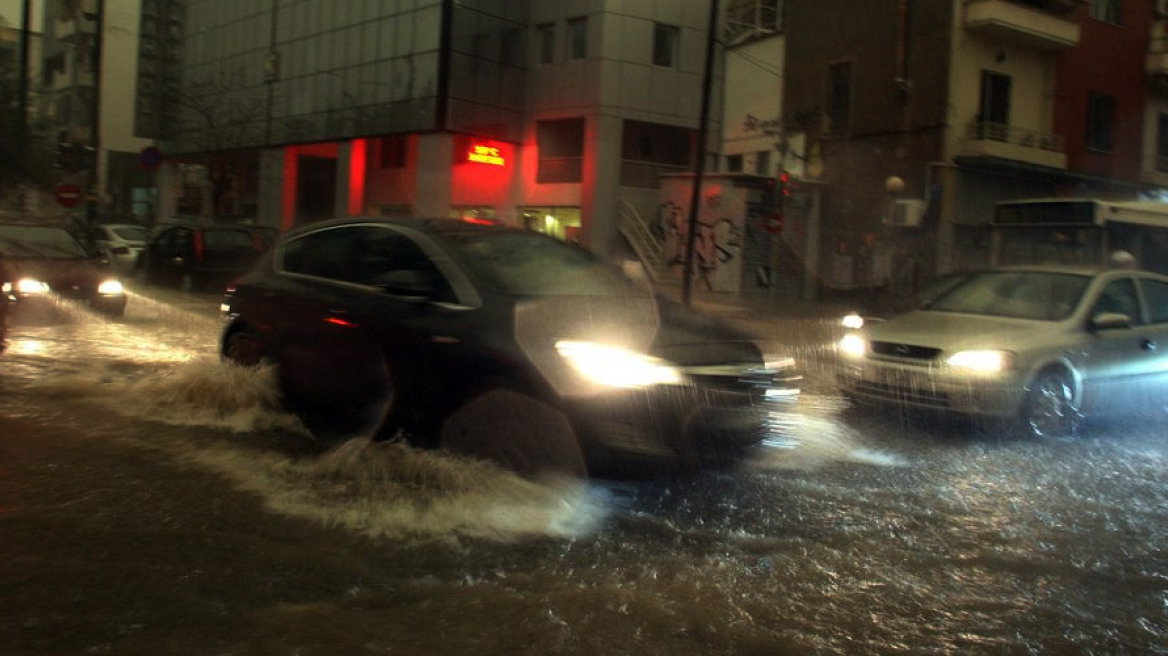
{"points": [[156, 501]]}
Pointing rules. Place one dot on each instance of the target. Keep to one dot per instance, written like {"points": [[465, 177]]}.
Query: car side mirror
{"points": [[410, 284], [1109, 321]]}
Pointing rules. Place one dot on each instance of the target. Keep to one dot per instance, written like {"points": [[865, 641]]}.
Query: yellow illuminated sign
{"points": [[485, 155]]}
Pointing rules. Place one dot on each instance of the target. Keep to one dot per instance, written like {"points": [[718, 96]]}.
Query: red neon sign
{"points": [[486, 154]]}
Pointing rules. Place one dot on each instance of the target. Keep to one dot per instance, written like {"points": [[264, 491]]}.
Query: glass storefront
{"points": [[560, 222]]}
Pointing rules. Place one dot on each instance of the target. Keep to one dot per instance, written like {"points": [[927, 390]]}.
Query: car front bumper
{"points": [[692, 425], [932, 388]]}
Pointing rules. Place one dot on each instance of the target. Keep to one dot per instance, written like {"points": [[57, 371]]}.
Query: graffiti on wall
{"points": [[717, 245]]}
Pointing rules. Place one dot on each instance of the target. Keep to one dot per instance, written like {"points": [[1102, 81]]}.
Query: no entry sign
{"points": [[68, 195]]}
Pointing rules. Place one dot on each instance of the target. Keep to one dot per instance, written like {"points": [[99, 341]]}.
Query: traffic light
{"points": [[785, 186]]}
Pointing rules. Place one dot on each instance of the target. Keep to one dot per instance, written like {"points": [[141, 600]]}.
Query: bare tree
{"points": [[221, 125]]}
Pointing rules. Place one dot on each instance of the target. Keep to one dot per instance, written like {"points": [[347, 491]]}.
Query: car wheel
{"points": [[516, 431], [243, 348], [1049, 410]]}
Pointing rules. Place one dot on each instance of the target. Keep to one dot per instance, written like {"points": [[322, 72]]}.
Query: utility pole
{"points": [[94, 173], [22, 93], [696, 195]]}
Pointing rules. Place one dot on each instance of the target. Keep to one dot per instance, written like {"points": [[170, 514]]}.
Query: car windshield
{"points": [[1042, 296], [38, 241], [530, 264]]}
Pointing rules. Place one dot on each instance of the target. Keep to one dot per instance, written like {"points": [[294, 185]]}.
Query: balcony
{"points": [[1015, 144], [67, 80], [74, 30], [1023, 24]]}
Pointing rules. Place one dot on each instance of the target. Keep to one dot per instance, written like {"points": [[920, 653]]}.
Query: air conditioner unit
{"points": [[907, 213]]}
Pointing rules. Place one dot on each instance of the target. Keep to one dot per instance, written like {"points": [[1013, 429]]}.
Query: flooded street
{"points": [[154, 500]]}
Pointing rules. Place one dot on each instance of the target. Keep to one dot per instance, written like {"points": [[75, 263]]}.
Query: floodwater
{"points": [[846, 534]]}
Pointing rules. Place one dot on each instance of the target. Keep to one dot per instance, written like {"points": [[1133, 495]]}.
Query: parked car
{"points": [[503, 344], [120, 243], [1045, 345], [43, 260], [199, 257]]}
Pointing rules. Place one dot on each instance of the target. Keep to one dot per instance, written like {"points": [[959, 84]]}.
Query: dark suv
{"points": [[192, 257]]}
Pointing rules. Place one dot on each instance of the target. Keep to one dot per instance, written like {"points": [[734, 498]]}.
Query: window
{"points": [[762, 163], [1101, 122], [1107, 11], [734, 163], [665, 40], [1156, 294], [364, 255], [561, 150], [578, 38], [839, 97], [649, 149], [510, 47], [993, 119], [746, 18], [1119, 297], [546, 38], [393, 152]]}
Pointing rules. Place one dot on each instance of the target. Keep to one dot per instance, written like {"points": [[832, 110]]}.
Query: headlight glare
{"points": [[614, 366], [31, 287], [853, 346], [987, 361], [110, 288], [852, 321]]}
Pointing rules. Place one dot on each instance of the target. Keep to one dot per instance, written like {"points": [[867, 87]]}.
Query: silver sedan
{"points": [[1045, 345]]}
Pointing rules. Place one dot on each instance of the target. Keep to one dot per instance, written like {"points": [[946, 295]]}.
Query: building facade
{"points": [[928, 113], [559, 117], [90, 59]]}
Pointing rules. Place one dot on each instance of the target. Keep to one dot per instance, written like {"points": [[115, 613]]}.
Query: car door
{"points": [[1120, 360], [176, 249], [347, 342], [1154, 340]]}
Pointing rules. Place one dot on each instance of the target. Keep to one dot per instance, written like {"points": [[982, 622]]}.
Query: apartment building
{"points": [[928, 113], [90, 58]]}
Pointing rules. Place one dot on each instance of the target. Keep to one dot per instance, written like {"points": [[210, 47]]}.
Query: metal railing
{"points": [[648, 246], [988, 131]]}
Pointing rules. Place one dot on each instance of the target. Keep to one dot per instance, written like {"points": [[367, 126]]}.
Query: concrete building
{"points": [[18, 126], [90, 60], [556, 116], [928, 113]]}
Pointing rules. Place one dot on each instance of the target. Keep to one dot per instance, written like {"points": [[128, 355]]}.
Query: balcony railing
{"points": [[987, 139], [1015, 135], [1043, 26], [73, 30]]}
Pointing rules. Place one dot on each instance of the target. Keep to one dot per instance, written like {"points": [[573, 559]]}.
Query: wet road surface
{"points": [[154, 500]]}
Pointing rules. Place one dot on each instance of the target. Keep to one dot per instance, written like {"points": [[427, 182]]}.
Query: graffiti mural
{"points": [[717, 247]]}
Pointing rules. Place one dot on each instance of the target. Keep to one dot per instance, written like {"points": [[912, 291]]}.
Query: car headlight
{"points": [[985, 361], [31, 287], [110, 288], [617, 367], [852, 321], [853, 346]]}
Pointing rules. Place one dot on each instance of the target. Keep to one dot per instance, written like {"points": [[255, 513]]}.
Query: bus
{"points": [[1079, 231]]}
